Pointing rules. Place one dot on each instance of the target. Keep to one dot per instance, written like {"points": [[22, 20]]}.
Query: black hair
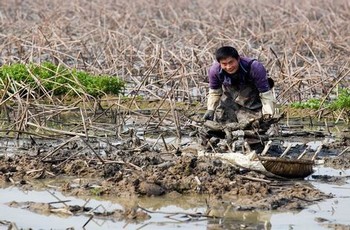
{"points": [[225, 52]]}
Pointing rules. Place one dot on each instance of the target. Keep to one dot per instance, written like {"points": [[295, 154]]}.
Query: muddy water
{"points": [[334, 211], [168, 211]]}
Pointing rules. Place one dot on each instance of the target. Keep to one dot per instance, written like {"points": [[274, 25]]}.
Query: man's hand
{"points": [[209, 115], [267, 117]]}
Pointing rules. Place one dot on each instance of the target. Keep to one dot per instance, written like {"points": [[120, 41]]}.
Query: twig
{"points": [[90, 218], [177, 213], [266, 148], [59, 202], [303, 153], [255, 179], [286, 150], [124, 163], [342, 152], [59, 147], [96, 154], [58, 131], [164, 142], [317, 151]]}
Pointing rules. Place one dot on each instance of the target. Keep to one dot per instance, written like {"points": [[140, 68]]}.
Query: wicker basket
{"points": [[288, 168]]}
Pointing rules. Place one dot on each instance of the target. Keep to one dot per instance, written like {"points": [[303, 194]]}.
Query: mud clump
{"points": [[142, 172], [342, 162]]}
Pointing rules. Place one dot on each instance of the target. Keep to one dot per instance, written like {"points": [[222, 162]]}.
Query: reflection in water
{"points": [[167, 212], [228, 216]]}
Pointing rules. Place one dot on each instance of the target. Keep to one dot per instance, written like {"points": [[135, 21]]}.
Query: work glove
{"points": [[213, 101], [213, 98], [268, 104], [209, 115]]}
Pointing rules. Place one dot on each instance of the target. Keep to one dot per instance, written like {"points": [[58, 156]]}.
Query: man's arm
{"points": [[259, 74], [215, 91]]}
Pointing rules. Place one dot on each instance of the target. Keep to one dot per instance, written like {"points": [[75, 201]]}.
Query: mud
{"points": [[341, 162], [135, 169]]}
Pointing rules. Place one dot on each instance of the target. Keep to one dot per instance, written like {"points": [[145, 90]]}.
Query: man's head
{"points": [[228, 58]]}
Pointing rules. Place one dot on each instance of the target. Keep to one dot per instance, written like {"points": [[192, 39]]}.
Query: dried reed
{"points": [[164, 48]]}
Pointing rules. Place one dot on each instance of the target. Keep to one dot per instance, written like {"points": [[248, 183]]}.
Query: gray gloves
{"points": [[209, 115], [213, 101], [213, 98], [268, 103]]}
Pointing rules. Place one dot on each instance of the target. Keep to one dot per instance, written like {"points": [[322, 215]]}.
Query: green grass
{"points": [[339, 103], [309, 104], [59, 80], [343, 100], [98, 191]]}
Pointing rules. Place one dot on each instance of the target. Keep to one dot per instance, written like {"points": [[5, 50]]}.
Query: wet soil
{"points": [[135, 168]]}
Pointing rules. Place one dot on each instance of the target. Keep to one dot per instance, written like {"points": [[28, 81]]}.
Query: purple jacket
{"points": [[256, 76]]}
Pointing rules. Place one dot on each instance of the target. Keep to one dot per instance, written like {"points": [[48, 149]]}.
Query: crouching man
{"points": [[239, 89]]}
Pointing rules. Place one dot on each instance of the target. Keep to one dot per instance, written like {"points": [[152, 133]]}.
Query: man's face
{"points": [[230, 65]]}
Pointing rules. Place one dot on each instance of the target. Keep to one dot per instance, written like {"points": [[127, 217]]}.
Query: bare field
{"points": [[304, 44]]}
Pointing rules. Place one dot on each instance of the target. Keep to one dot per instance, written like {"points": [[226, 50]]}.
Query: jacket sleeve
{"points": [[213, 76], [215, 87], [259, 75]]}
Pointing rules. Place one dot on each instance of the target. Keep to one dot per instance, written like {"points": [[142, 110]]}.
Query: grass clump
{"points": [[309, 104], [58, 80], [342, 101]]}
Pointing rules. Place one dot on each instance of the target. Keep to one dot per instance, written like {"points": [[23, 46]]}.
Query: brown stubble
{"points": [[164, 48]]}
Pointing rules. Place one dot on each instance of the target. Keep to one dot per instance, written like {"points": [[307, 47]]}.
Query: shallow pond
{"points": [[168, 212], [318, 216]]}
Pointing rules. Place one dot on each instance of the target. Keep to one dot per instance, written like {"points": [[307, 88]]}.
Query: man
{"points": [[239, 89]]}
